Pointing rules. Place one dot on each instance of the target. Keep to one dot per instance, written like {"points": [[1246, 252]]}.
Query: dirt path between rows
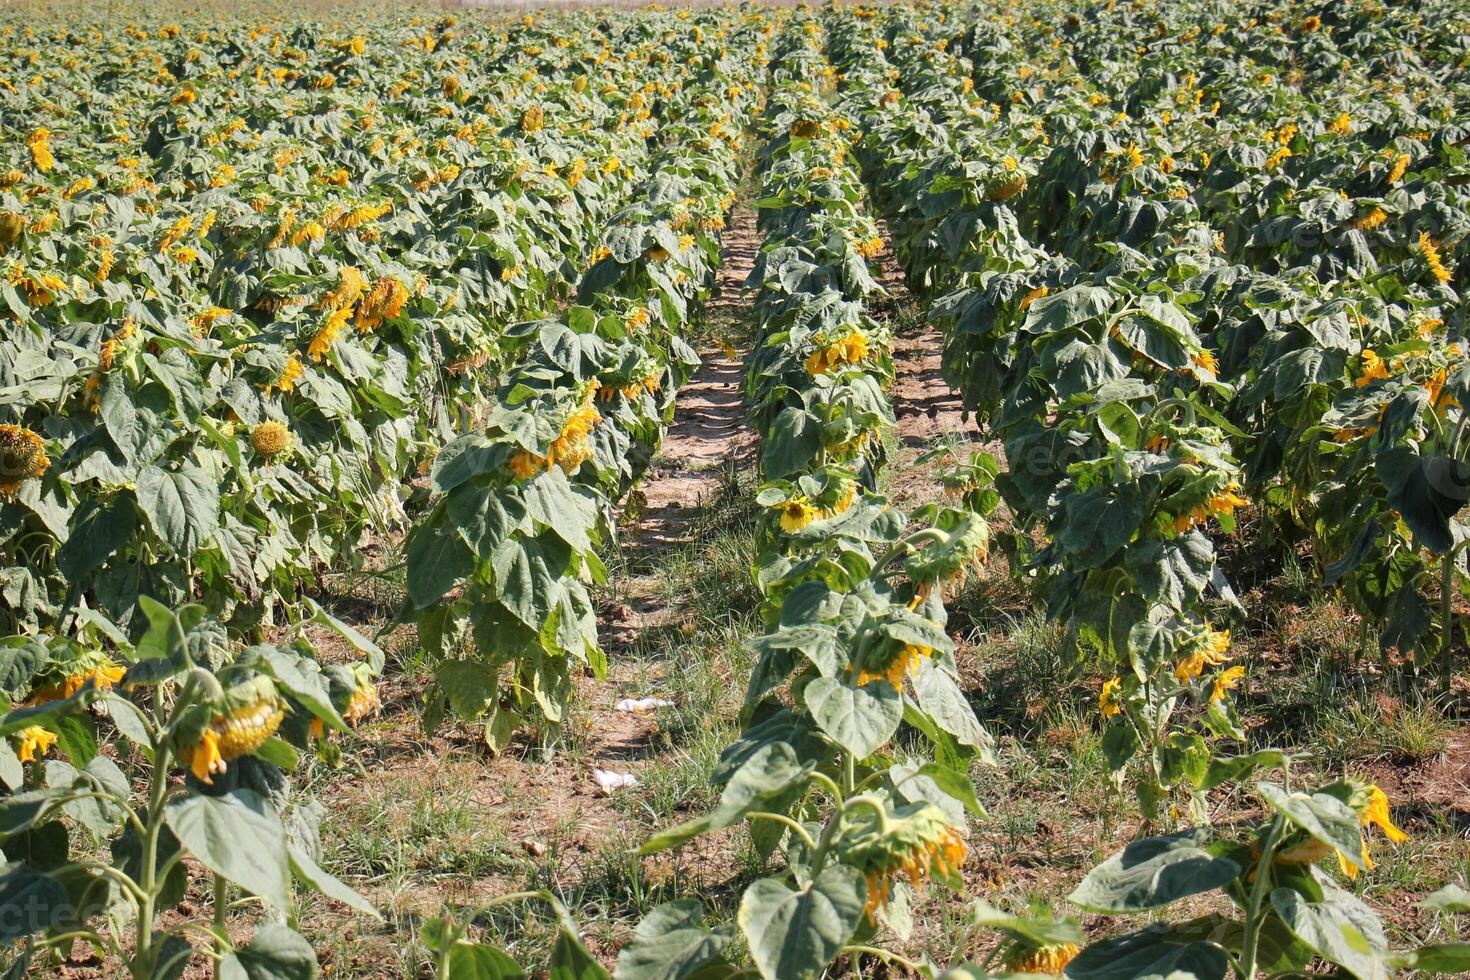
{"points": [[708, 443], [709, 434], [925, 406]]}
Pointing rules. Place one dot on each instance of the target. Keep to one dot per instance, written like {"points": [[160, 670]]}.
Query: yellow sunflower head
{"points": [[270, 438]]}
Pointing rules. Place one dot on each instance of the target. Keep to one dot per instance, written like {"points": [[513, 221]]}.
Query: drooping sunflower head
{"points": [[1207, 648], [797, 512], [850, 347], [61, 680], [1371, 806], [915, 841], [890, 662], [33, 743], [1048, 959], [240, 722], [807, 129], [11, 226], [1006, 186], [960, 541], [22, 457]]}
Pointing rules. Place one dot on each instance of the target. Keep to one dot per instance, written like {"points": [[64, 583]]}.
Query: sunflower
{"points": [[797, 512], [1438, 398], [284, 225], [1209, 649], [915, 841], [1006, 187], [96, 668], [1225, 682], [364, 701], [175, 233], [35, 742], [384, 302], [1049, 959], [245, 719], [1221, 505], [1399, 168], [354, 217], [349, 287], [270, 439], [850, 349], [39, 143], [204, 319], [1430, 252], [569, 450], [1371, 220], [11, 226], [331, 327], [1031, 297], [1374, 368], [286, 381], [1371, 806], [22, 457], [896, 669], [1107, 700]]}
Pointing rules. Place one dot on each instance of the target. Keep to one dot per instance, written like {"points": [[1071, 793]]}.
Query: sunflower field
{"points": [[947, 490]]}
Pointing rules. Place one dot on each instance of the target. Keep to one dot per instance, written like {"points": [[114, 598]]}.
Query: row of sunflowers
{"points": [[1176, 265], [251, 294], [233, 337], [852, 817]]}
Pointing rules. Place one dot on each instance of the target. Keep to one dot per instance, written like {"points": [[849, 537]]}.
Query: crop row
{"points": [[356, 322], [852, 762], [235, 336], [525, 503], [1079, 263]]}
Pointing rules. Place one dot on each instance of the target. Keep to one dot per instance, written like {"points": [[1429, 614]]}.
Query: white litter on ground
{"points": [[609, 781], [641, 706]]}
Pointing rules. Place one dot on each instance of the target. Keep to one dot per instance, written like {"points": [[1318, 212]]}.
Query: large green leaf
{"points": [[484, 517], [98, 528], [859, 718], [671, 942], [470, 685], [477, 961], [463, 459], [33, 901], [181, 505], [1099, 522], [1173, 573], [1153, 872], [528, 573], [438, 560], [1149, 954], [571, 961], [795, 932], [1325, 817], [1340, 928], [940, 698], [1450, 898], [273, 953], [238, 836], [1427, 491], [305, 868], [1437, 958]]}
